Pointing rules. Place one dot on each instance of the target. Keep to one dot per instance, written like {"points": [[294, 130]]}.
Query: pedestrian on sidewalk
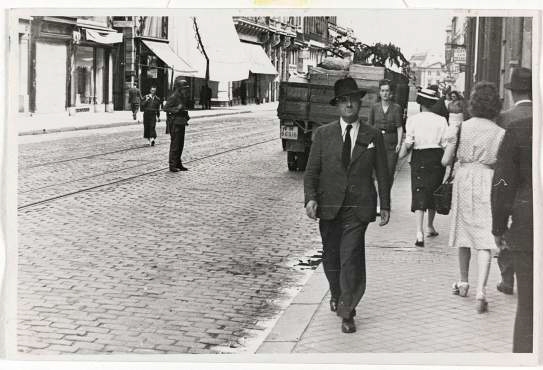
{"points": [[521, 92], [178, 120], [134, 98], [150, 106], [512, 195], [339, 190], [470, 216], [425, 137], [386, 116]]}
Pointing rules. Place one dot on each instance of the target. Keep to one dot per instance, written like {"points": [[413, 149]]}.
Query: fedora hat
{"points": [[521, 80], [345, 87]]}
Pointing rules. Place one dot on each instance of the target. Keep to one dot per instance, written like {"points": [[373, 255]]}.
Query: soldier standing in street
{"points": [[339, 189], [150, 106], [178, 117], [134, 98]]}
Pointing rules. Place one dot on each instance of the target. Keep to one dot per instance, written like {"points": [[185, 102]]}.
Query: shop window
{"points": [[88, 76]]}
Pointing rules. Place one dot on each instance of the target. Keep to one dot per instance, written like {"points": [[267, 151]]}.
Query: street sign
{"points": [[459, 55]]}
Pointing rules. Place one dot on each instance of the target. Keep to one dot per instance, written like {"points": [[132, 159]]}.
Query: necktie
{"points": [[346, 154]]}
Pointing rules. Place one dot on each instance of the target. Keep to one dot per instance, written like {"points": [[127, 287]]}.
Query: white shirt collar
{"points": [[523, 101], [344, 124]]}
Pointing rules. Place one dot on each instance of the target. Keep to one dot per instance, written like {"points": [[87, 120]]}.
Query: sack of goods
{"points": [[334, 63]]}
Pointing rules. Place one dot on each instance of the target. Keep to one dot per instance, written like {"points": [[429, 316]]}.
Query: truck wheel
{"points": [[301, 160], [291, 161]]}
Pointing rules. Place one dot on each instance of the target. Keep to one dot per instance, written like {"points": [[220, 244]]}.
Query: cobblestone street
{"points": [[146, 261]]}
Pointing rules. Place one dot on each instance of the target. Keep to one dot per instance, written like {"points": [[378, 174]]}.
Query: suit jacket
{"points": [[520, 111], [151, 104], [332, 186], [134, 95], [512, 192]]}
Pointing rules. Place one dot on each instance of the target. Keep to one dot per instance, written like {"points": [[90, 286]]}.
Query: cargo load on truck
{"points": [[303, 106]]}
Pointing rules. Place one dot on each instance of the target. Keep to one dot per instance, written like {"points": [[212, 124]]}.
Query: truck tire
{"points": [[291, 161], [301, 160]]}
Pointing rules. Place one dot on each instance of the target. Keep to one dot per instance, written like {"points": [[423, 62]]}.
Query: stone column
{"points": [[109, 105]]}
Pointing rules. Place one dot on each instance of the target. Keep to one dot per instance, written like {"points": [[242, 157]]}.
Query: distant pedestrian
{"points": [[205, 96], [386, 116], [150, 107], [512, 197], [521, 92], [440, 106], [134, 98], [339, 190], [425, 136], [178, 118], [471, 217]]}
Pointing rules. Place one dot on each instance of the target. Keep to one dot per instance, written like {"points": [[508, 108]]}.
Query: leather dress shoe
{"points": [[504, 288], [348, 326], [183, 168], [174, 169], [333, 304]]}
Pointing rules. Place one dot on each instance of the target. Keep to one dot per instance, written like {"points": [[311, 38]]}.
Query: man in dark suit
{"points": [[178, 118], [521, 92], [134, 98], [512, 196], [339, 189]]}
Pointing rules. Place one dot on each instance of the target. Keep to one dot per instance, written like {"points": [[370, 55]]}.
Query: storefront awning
{"points": [[258, 60], [227, 60], [167, 55], [103, 37]]}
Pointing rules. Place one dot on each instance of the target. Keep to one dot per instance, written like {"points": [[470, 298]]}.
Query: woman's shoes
{"points": [[419, 243], [460, 288], [482, 304], [432, 233]]}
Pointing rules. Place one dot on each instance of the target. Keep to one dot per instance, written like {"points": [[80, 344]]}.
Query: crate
{"points": [[294, 91], [366, 72], [292, 110], [328, 77]]}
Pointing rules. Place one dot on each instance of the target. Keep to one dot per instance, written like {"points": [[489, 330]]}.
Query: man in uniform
{"points": [[178, 117], [521, 92], [339, 189]]}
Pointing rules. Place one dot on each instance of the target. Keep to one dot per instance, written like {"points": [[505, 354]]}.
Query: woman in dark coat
{"points": [[150, 107]]}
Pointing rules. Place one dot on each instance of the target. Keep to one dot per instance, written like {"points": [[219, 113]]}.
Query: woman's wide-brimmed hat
{"points": [[345, 87], [521, 80]]}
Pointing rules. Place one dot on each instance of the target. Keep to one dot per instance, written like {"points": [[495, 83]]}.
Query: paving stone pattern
{"points": [[408, 305], [163, 263]]}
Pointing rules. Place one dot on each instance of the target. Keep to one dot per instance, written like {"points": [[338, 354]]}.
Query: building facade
{"points": [[455, 54], [66, 64], [495, 45], [428, 69]]}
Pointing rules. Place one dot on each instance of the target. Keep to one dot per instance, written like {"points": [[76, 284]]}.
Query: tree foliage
{"points": [[376, 55]]}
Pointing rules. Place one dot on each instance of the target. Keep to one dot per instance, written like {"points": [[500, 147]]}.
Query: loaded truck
{"points": [[304, 106]]}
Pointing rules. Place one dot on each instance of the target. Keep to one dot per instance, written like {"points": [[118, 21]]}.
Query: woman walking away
{"points": [[425, 134], [150, 107], [471, 217], [386, 116]]}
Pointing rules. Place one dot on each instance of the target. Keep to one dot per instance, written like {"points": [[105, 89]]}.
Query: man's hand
{"points": [[311, 209], [385, 217], [500, 242], [398, 147]]}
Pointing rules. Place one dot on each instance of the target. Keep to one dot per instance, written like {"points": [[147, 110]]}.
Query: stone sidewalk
{"points": [[408, 305], [49, 123]]}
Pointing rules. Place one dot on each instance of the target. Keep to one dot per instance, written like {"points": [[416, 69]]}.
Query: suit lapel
{"points": [[363, 139]]}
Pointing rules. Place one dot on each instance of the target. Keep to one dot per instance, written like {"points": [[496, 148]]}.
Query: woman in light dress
{"points": [[471, 217]]}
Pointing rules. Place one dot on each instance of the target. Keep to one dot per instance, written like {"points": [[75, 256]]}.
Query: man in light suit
{"points": [[521, 91], [339, 189]]}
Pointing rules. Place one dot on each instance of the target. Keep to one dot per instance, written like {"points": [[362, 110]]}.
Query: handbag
{"points": [[443, 194]]}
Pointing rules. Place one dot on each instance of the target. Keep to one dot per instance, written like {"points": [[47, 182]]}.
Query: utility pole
{"points": [[196, 29]]}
